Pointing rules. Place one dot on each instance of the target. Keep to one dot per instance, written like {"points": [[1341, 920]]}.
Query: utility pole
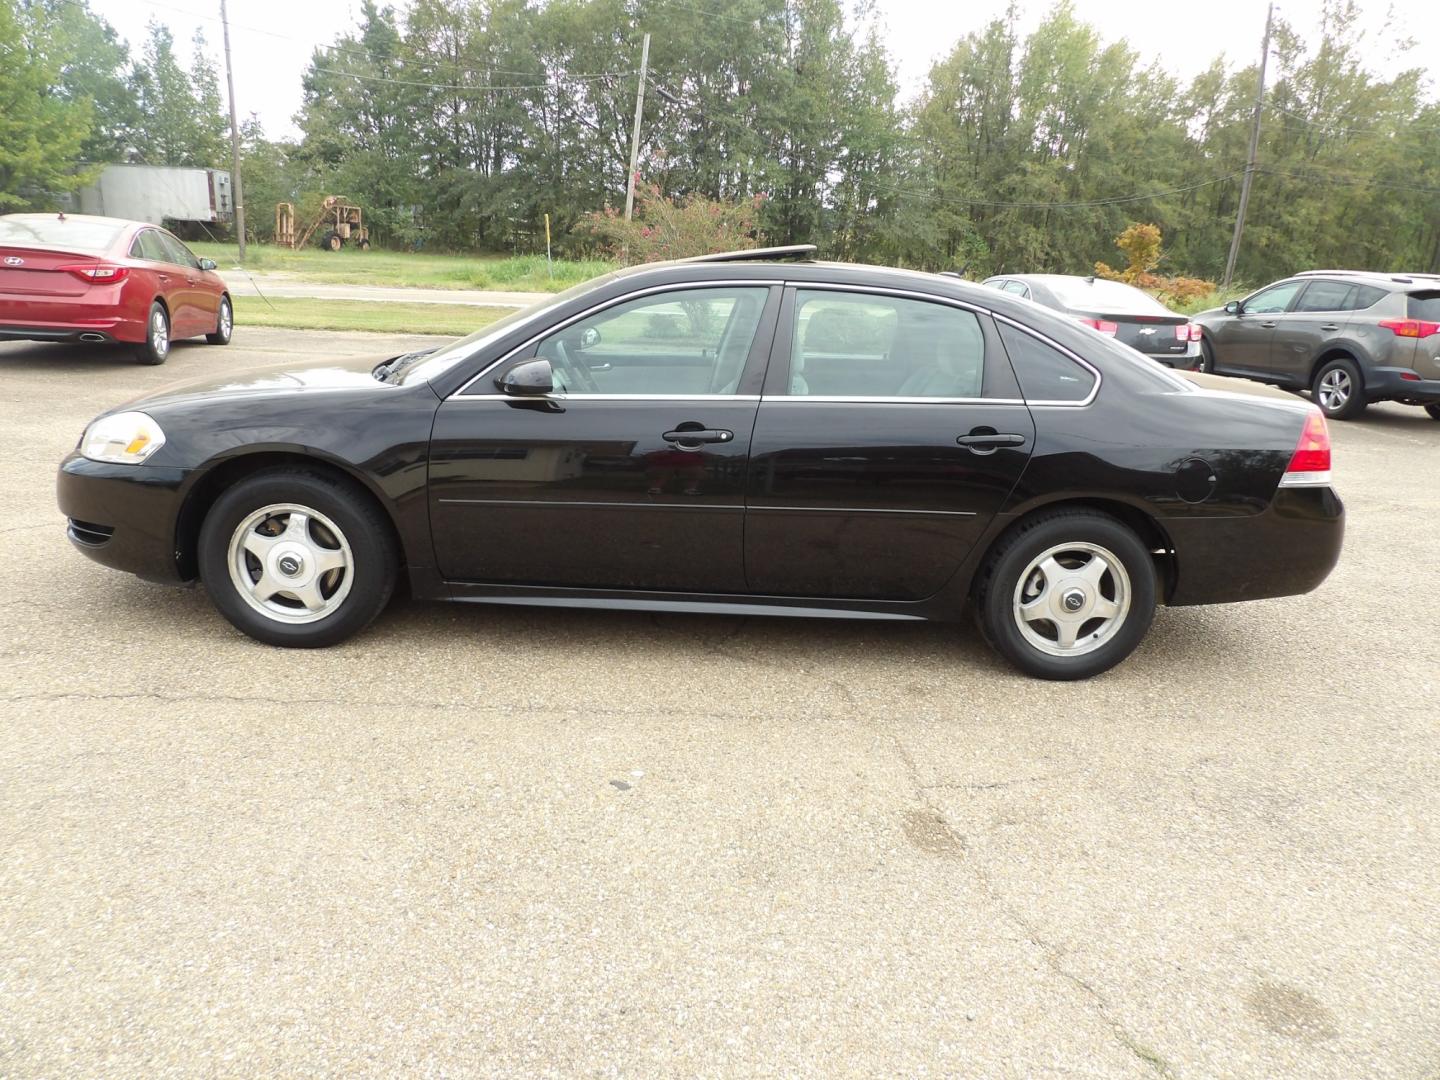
{"points": [[236, 191], [1254, 150], [635, 134]]}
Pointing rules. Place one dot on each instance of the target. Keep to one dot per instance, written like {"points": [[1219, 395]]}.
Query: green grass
{"points": [[454, 320], [1218, 298], [350, 266]]}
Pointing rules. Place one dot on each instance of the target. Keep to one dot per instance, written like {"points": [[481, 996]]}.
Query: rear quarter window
{"points": [[1045, 373]]}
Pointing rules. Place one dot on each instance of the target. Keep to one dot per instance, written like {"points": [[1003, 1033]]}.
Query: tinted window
{"points": [[68, 234], [863, 345], [1273, 300], [1045, 373], [1364, 297], [1325, 296], [178, 252], [693, 341], [1424, 306], [152, 247]]}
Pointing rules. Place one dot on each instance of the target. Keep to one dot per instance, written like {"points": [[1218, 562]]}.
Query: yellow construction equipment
{"points": [[344, 222]]}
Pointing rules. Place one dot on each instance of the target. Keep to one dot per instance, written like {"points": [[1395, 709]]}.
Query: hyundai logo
{"points": [[14, 260]]}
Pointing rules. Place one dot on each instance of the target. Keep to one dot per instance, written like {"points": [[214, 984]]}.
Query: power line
{"points": [[1334, 129], [1117, 200], [473, 89], [1348, 181]]}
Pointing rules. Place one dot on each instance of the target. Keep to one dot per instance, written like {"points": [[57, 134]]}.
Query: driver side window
{"points": [[687, 342], [1274, 300]]}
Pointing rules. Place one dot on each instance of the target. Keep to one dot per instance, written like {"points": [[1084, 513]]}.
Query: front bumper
{"points": [[1289, 548], [123, 516], [1390, 384]]}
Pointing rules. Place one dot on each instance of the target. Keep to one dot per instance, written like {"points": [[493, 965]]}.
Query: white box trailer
{"points": [[155, 193]]}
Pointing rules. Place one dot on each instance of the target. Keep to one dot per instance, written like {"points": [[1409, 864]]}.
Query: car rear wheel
{"points": [[296, 558], [1434, 411], [156, 346], [224, 324], [1067, 595], [1338, 389]]}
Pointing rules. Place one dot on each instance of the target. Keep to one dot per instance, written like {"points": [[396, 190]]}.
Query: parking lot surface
{"points": [[489, 841]]}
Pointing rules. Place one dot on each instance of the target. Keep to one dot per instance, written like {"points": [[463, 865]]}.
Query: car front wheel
{"points": [[224, 324], [1339, 390], [1067, 595], [297, 558]]}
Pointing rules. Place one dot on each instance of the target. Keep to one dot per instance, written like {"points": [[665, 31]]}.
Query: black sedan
{"points": [[729, 435], [1127, 314]]}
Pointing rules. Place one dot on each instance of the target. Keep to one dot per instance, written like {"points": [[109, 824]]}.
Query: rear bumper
{"points": [[1389, 383], [123, 516], [24, 318], [1289, 548], [50, 333]]}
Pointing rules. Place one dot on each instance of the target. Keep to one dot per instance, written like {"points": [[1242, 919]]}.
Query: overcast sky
{"points": [[271, 40]]}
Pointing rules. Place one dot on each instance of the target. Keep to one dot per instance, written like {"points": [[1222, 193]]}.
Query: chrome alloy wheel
{"points": [[227, 319], [1335, 389], [1072, 599], [291, 563], [159, 332]]}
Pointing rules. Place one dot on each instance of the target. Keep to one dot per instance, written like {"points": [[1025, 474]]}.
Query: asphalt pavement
{"points": [[501, 842]]}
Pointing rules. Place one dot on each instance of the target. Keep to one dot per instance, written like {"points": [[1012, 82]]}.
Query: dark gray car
{"points": [[1349, 337], [1117, 310]]}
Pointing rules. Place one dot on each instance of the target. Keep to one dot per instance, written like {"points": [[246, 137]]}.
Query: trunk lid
{"points": [[28, 271]]}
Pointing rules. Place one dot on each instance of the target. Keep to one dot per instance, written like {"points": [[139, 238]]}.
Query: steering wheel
{"points": [[574, 371]]}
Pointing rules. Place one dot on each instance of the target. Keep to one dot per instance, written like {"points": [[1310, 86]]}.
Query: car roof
{"points": [[1375, 277]]}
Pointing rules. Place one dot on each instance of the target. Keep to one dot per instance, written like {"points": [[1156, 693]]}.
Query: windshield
{"points": [[68, 234], [447, 356]]}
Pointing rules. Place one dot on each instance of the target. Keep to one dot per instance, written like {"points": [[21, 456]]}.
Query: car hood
{"points": [[350, 374]]}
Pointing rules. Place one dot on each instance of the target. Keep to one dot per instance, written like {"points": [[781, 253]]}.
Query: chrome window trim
{"points": [[627, 297], [562, 395], [1070, 353], [846, 399]]}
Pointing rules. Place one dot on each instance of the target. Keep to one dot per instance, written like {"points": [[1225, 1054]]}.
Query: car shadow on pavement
{"points": [[74, 356]]}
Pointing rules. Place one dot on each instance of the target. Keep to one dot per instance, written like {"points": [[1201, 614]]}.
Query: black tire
{"points": [[998, 593], [1347, 381], [333, 241], [224, 324], [364, 245], [156, 346], [1207, 357], [360, 523], [1434, 411]]}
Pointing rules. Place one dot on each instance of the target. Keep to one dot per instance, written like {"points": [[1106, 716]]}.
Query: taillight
{"points": [[1103, 326], [97, 273], [1410, 327], [1310, 464], [1187, 332]]}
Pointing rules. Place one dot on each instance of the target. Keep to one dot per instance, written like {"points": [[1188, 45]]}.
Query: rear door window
{"points": [[152, 247], [1045, 373], [871, 345], [1326, 296]]}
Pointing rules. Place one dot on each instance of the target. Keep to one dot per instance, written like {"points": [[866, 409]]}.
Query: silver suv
{"points": [[1349, 337]]}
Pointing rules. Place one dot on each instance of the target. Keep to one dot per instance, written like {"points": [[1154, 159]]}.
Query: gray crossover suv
{"points": [[1349, 337]]}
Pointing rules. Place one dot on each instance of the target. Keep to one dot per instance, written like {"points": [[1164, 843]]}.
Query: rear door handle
{"points": [[1330, 327], [1267, 326], [682, 436], [987, 442]]}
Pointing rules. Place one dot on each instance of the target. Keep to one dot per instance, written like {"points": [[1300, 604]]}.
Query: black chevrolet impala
{"points": [[736, 434]]}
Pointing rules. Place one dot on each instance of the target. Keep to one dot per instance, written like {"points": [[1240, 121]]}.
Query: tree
{"points": [[182, 114]]}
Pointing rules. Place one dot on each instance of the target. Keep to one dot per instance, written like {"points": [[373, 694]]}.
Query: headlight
{"points": [[126, 438]]}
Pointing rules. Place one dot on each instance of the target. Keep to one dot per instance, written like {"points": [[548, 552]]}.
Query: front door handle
{"points": [[1330, 328], [1267, 326], [691, 438], [987, 441]]}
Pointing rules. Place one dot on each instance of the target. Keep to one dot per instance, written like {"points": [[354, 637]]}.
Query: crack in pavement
{"points": [[1032, 933]]}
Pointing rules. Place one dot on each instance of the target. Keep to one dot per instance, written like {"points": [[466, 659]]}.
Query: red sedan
{"points": [[69, 277]]}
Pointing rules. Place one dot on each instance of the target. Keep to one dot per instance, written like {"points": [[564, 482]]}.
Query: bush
{"points": [[664, 228]]}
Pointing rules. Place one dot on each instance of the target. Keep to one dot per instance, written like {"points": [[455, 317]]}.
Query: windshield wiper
{"points": [[391, 369]]}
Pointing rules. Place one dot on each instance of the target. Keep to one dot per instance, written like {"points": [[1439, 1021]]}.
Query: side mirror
{"points": [[207, 264], [1232, 308], [534, 378]]}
